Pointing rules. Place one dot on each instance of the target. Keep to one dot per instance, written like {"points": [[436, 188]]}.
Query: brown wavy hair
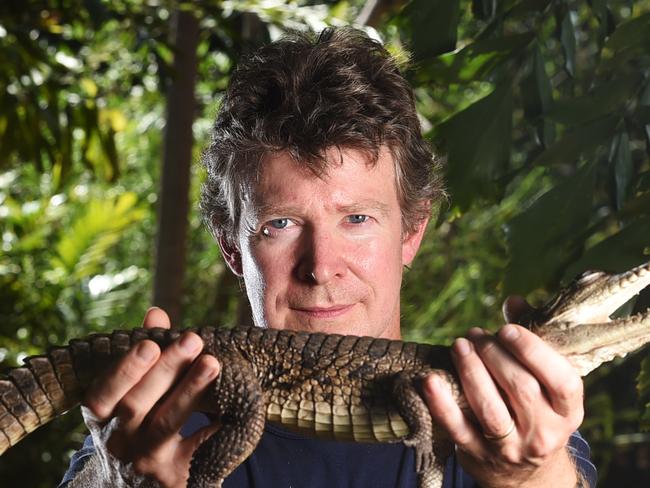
{"points": [[304, 94]]}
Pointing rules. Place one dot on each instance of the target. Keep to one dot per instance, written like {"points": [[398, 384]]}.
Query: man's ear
{"points": [[412, 240], [231, 254]]}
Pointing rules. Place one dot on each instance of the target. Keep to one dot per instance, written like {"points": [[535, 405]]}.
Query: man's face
{"points": [[325, 253]]}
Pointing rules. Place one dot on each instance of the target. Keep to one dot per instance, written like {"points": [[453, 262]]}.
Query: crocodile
{"points": [[347, 388]]}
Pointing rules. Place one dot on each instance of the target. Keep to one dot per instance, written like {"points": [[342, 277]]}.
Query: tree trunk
{"points": [[173, 201], [373, 11]]}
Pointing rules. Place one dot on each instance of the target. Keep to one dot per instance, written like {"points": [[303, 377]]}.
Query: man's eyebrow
{"points": [[364, 205], [265, 209]]}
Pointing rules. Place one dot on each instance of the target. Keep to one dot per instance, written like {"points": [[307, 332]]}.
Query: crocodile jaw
{"points": [[587, 346], [594, 296], [577, 323]]}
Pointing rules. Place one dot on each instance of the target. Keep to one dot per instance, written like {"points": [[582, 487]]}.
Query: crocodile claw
{"points": [[424, 458]]}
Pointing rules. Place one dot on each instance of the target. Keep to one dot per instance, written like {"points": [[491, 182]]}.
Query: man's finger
{"points": [[156, 317], [172, 414], [446, 413], [481, 392], [522, 389], [139, 401], [103, 396], [562, 383]]}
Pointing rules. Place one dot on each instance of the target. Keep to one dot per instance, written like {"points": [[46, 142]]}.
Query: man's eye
{"points": [[357, 219], [279, 223], [275, 224]]}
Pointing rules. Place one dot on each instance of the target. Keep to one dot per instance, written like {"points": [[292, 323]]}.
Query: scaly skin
{"points": [[332, 386]]}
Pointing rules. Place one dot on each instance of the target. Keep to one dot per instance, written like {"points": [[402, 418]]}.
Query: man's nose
{"points": [[323, 257]]}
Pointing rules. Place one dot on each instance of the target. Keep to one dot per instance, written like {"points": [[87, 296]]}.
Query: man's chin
{"points": [[338, 325], [354, 322]]}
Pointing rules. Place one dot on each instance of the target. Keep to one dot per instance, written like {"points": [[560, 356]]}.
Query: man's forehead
{"points": [[330, 160], [349, 178]]}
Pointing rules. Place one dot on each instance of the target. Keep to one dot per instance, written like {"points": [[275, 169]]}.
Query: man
{"points": [[319, 190]]}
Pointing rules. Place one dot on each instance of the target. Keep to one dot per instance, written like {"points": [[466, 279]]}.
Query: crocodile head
{"points": [[577, 321]]}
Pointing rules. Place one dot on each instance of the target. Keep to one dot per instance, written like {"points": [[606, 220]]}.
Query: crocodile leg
{"points": [[431, 451], [240, 409]]}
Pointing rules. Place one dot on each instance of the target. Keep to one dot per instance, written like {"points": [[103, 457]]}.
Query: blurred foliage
{"points": [[542, 108]]}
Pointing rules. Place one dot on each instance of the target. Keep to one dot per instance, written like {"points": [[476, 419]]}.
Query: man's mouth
{"points": [[328, 312]]}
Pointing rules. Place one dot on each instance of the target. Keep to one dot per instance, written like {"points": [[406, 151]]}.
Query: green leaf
{"points": [[8, 137], [567, 39], [536, 87], [50, 114], [484, 9], [620, 160], [581, 139], [643, 114], [477, 143], [475, 61], [543, 238], [116, 292], [639, 204], [606, 23], [627, 47], [433, 26], [82, 249], [64, 162], [536, 94], [643, 387], [619, 252], [644, 97], [643, 182], [524, 8], [634, 32], [606, 98], [112, 169]]}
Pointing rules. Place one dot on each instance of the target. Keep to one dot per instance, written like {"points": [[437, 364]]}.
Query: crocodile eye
{"points": [[590, 276]]}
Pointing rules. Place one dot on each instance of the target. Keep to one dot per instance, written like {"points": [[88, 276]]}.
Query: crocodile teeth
{"points": [[594, 296]]}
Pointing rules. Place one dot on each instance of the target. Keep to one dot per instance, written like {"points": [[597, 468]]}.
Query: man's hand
{"points": [[525, 401], [147, 396]]}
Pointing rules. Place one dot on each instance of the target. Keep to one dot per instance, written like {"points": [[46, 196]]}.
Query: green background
{"points": [[541, 107]]}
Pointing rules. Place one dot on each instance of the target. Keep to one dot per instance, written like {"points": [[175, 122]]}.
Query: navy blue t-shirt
{"points": [[283, 459]]}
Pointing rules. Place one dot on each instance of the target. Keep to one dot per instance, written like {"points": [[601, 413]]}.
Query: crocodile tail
{"points": [[32, 395], [49, 385]]}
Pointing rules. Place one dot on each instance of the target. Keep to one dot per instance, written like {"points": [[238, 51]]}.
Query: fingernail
{"points": [[436, 385], [432, 385], [190, 342], [462, 347], [509, 332], [209, 373], [146, 352], [210, 370]]}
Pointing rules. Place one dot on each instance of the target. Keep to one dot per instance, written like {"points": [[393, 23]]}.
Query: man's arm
{"points": [[526, 400], [136, 410]]}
